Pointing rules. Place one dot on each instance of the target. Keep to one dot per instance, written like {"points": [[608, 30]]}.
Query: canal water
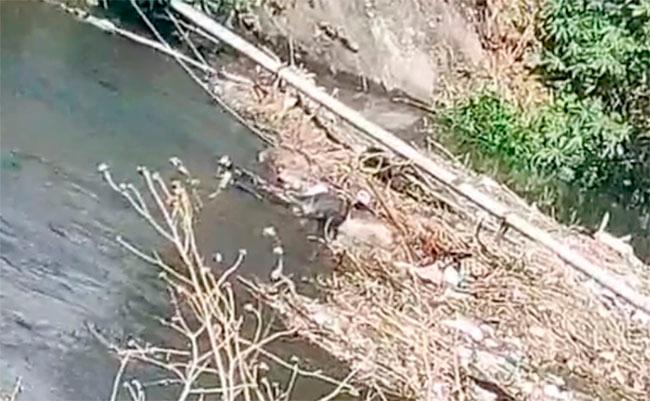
{"points": [[73, 97]]}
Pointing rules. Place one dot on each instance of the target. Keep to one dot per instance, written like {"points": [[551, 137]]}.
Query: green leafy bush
{"points": [[599, 49], [489, 124], [568, 140], [578, 142], [596, 57]]}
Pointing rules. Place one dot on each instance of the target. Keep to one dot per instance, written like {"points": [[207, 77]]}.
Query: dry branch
{"points": [[206, 316], [17, 388]]}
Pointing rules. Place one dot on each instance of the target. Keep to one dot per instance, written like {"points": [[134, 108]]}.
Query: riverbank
{"points": [[516, 319], [577, 156], [503, 270]]}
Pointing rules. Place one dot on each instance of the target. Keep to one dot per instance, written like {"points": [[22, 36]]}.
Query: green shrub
{"points": [[577, 142], [599, 49], [592, 135], [568, 140], [491, 125]]}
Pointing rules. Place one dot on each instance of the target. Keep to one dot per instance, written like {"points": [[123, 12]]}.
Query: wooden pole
{"points": [[440, 173]]}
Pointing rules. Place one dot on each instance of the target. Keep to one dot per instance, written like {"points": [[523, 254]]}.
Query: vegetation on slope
{"points": [[589, 135], [567, 140], [599, 50]]}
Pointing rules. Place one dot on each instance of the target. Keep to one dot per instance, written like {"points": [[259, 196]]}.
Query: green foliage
{"points": [[491, 125], [590, 136], [568, 140], [599, 49], [578, 142]]}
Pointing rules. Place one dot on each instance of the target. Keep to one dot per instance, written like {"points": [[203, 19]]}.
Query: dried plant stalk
{"points": [[216, 357]]}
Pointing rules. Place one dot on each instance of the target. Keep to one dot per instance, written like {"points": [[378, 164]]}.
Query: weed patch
{"points": [[594, 56], [569, 140]]}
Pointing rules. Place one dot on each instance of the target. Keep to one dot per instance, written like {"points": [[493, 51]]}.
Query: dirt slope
{"points": [[408, 45]]}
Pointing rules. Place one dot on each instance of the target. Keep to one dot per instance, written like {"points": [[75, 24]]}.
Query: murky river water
{"points": [[73, 97]]}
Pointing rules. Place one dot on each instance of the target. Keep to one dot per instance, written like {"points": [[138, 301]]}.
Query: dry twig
{"points": [[206, 315]]}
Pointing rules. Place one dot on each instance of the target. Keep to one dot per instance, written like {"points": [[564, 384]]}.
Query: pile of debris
{"points": [[454, 303]]}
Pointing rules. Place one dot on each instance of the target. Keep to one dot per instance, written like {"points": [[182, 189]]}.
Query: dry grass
{"points": [[507, 33], [523, 324]]}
